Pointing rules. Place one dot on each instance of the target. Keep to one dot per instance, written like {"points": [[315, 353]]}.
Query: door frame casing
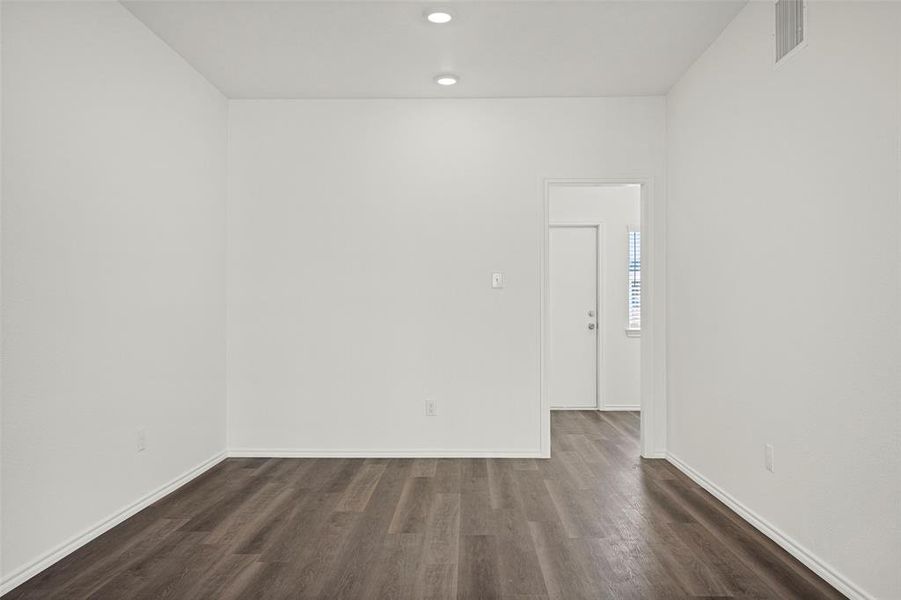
{"points": [[653, 327], [600, 345]]}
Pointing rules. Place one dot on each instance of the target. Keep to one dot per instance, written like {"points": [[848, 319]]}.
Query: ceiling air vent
{"points": [[789, 26]]}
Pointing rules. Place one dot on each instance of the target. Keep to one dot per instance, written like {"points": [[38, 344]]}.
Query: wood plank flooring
{"points": [[595, 521]]}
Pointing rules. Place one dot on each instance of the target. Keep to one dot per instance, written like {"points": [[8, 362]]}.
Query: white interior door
{"points": [[573, 272]]}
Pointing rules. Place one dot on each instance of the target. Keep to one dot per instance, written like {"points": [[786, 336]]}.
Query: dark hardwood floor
{"points": [[595, 521]]}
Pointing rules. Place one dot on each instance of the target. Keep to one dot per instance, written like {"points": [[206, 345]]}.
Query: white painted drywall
{"points": [[362, 235], [617, 207], [364, 49], [783, 250], [113, 248], [2, 300]]}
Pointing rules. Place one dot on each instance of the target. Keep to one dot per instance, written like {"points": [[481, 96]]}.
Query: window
{"points": [[789, 29], [634, 325]]}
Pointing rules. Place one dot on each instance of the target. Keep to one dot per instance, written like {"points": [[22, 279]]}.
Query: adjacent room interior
{"points": [[594, 296], [501, 299]]}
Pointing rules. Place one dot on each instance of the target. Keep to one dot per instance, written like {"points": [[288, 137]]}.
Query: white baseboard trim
{"points": [[23, 574], [659, 454], [307, 453], [810, 560], [607, 408]]}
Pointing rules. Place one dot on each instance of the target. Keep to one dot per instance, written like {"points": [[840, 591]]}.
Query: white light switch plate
{"points": [[497, 280], [431, 407]]}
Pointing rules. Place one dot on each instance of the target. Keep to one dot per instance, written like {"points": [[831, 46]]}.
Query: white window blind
{"points": [[634, 279], [789, 26]]}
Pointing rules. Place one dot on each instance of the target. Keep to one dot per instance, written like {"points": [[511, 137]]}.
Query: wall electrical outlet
{"points": [[769, 458], [142, 440], [431, 407]]}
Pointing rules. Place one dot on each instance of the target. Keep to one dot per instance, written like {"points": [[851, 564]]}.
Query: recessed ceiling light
{"points": [[439, 17], [446, 79]]}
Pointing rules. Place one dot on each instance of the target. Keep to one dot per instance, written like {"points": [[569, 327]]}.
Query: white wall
{"points": [[113, 248], [783, 282], [362, 235], [2, 300], [617, 207]]}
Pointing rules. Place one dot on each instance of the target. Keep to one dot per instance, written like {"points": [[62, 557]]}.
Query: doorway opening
{"points": [[593, 298]]}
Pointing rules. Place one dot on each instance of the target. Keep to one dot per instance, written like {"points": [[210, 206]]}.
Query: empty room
{"points": [[504, 299]]}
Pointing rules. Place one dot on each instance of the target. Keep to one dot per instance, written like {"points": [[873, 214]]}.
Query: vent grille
{"points": [[789, 26]]}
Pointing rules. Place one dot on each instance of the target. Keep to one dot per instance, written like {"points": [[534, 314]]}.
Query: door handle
{"points": [[591, 326]]}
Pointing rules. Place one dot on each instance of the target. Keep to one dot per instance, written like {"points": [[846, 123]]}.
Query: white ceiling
{"points": [[377, 49]]}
